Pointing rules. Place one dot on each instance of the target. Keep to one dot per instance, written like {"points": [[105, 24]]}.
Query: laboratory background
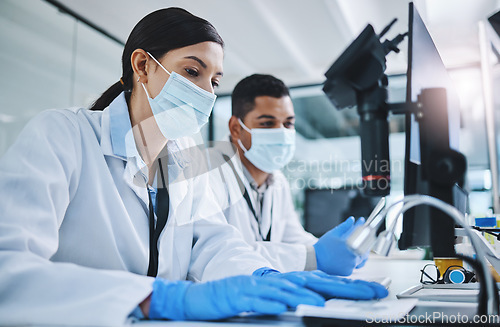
{"points": [[65, 53]]}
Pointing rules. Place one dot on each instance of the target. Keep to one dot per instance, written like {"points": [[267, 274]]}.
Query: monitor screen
{"points": [[328, 207], [426, 70], [489, 38], [440, 125]]}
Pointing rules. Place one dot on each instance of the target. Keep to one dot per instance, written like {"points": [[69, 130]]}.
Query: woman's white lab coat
{"points": [[74, 233], [286, 249]]}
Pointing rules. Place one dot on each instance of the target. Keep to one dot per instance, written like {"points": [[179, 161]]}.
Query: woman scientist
{"points": [[80, 242]]}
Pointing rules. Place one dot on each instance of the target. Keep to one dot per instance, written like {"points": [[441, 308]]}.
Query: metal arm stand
{"points": [[441, 168], [372, 110]]}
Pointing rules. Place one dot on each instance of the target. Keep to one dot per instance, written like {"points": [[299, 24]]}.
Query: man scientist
{"points": [[256, 196]]}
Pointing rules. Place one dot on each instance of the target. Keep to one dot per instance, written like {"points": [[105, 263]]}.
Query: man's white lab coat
{"points": [[286, 249], [74, 233]]}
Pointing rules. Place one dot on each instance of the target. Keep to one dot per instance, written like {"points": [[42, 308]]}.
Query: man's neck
{"points": [[258, 175]]}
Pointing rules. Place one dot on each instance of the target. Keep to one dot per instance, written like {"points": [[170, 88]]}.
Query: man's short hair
{"points": [[245, 92]]}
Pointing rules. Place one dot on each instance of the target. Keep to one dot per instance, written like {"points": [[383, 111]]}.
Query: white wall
{"points": [[48, 60]]}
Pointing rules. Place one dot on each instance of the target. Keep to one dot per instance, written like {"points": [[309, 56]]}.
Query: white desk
{"points": [[403, 273]]}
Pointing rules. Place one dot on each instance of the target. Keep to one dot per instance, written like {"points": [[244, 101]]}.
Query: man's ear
{"points": [[234, 128]]}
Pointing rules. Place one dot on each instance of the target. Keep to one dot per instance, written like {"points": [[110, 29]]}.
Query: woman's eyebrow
{"points": [[202, 63]]}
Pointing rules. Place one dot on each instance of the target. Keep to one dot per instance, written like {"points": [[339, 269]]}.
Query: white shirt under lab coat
{"points": [[74, 233], [287, 248]]}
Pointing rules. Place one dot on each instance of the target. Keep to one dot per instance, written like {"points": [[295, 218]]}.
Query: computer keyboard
{"points": [[385, 281]]}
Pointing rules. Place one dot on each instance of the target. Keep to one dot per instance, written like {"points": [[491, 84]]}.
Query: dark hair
{"points": [[158, 32], [245, 92]]}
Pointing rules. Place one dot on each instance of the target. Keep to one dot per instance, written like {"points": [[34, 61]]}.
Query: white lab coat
{"points": [[74, 233], [286, 249]]}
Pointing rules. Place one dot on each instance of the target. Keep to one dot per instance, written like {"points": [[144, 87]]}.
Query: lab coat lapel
{"points": [[117, 141], [237, 169], [267, 211], [105, 141], [175, 163], [136, 181], [234, 188], [258, 225], [180, 213], [178, 191]]}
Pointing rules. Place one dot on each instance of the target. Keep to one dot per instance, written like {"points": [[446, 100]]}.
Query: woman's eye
{"points": [[192, 72], [289, 125]]}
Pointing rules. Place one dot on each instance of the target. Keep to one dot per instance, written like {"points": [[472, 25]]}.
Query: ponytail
{"points": [[107, 97]]}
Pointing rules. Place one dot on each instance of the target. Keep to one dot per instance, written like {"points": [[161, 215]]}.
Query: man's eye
{"points": [[289, 125], [267, 124], [192, 72]]}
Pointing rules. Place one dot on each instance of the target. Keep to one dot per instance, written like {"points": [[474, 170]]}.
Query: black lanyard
{"points": [[246, 196], [162, 210]]}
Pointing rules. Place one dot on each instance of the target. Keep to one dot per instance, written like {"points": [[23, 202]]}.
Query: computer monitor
{"points": [[433, 165], [326, 208], [489, 44]]}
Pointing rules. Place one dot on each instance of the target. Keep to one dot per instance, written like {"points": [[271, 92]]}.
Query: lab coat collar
{"points": [[231, 151], [120, 127], [107, 148], [117, 138], [266, 189]]}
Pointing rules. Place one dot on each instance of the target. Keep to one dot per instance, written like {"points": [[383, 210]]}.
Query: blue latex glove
{"points": [[185, 300], [330, 286], [332, 254]]}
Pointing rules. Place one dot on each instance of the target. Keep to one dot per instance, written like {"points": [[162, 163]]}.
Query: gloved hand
{"points": [[185, 300], [330, 286], [332, 254]]}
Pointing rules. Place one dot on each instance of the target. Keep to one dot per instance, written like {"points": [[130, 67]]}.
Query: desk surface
{"points": [[403, 273]]}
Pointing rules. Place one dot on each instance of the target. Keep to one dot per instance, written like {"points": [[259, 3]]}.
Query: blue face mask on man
{"points": [[272, 148], [181, 108]]}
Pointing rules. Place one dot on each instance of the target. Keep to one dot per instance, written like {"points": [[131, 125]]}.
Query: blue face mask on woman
{"points": [[181, 108], [272, 148]]}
